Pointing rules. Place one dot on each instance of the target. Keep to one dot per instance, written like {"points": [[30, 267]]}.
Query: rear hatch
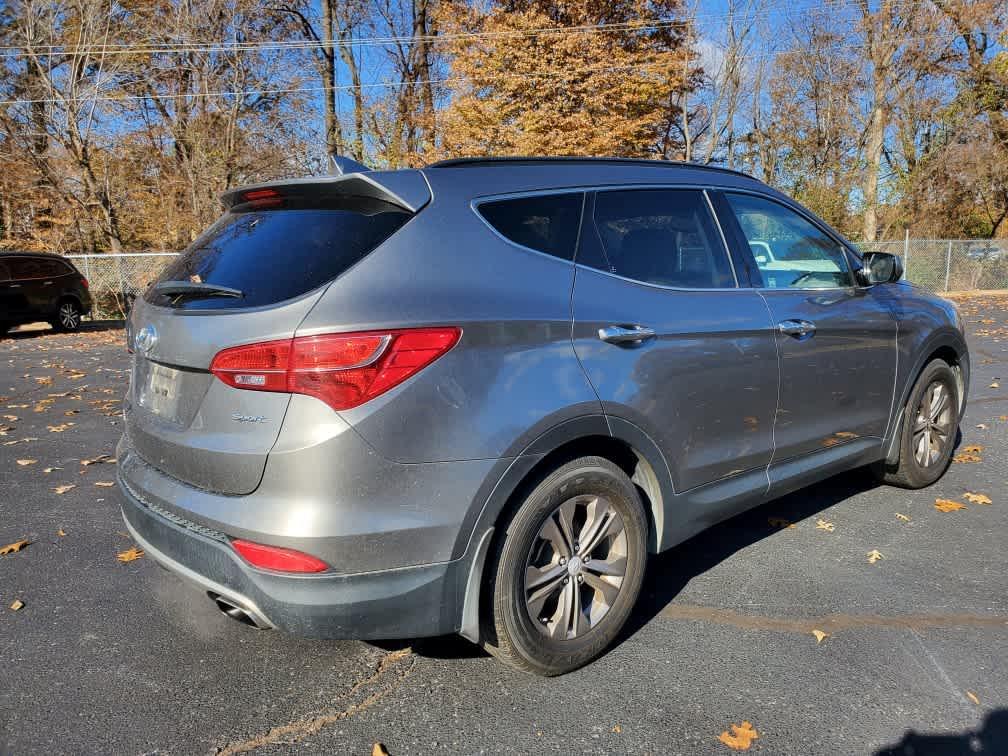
{"points": [[252, 277]]}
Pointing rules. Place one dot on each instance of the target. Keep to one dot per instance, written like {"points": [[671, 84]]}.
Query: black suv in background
{"points": [[36, 286]]}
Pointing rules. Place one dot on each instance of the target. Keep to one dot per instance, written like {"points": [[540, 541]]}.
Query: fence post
{"points": [[948, 264], [906, 254]]}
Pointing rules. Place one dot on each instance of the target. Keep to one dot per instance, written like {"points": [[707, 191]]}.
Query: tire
{"points": [[909, 471], [68, 316], [587, 607]]}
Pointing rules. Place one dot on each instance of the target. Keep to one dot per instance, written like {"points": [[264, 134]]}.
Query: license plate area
{"points": [[170, 394]]}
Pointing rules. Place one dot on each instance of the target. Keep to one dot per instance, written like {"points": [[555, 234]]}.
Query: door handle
{"points": [[616, 334], [800, 329], [47, 283], [15, 286]]}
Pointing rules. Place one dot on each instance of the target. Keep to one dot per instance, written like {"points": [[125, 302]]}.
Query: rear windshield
{"points": [[274, 254]]}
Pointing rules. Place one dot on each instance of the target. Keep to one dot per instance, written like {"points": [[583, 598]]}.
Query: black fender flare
{"points": [[514, 474]]}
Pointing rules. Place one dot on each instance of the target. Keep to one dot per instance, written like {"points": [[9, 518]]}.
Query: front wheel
{"points": [[68, 317], [568, 569], [930, 423]]}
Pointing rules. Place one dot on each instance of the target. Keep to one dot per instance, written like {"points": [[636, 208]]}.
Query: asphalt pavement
{"points": [[791, 629]]}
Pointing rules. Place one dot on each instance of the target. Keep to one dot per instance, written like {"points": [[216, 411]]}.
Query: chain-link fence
{"points": [[115, 280], [936, 264], [942, 265]]}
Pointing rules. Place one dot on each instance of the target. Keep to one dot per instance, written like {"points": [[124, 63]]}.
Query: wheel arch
{"points": [[621, 442], [947, 345]]}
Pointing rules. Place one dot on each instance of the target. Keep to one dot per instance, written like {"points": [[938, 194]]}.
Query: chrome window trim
{"points": [[703, 188]]}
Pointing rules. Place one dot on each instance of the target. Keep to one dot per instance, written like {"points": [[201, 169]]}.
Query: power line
{"points": [[397, 83], [300, 44]]}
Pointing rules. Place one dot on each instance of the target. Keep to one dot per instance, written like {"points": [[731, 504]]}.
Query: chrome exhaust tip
{"points": [[235, 612]]}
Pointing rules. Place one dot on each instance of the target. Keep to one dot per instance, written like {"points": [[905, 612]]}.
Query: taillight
{"points": [[84, 283], [275, 558], [342, 369]]}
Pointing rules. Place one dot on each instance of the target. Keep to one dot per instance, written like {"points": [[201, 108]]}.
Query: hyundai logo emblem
{"points": [[145, 339]]}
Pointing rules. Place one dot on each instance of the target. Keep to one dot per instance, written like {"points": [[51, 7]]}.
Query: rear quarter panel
{"points": [[513, 374]]}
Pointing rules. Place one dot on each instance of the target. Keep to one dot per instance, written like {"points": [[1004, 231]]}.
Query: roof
{"points": [[25, 253]]}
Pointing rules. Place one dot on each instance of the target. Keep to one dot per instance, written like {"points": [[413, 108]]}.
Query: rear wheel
{"points": [[567, 572], [68, 316], [930, 422]]}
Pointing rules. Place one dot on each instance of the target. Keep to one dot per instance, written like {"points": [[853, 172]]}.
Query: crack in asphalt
{"points": [[294, 731], [834, 622]]}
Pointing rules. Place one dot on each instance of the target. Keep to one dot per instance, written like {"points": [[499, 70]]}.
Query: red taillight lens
{"points": [[260, 367], [84, 283], [342, 369], [275, 558], [262, 197]]}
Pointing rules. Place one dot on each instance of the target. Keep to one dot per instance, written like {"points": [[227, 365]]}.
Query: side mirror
{"points": [[880, 267]]}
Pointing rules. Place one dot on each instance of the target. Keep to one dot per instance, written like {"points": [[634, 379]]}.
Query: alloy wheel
{"points": [[576, 567], [932, 429], [69, 317]]}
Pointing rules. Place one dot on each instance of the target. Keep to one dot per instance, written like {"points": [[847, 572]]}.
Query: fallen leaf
{"points": [[11, 418], [947, 505], [377, 749], [981, 426], [60, 428], [617, 729], [819, 635], [104, 483], [902, 517], [823, 525], [741, 736], [61, 532], [17, 605], [995, 384], [44, 380], [965, 458], [50, 469], [874, 555], [973, 449], [71, 413], [100, 459], [11, 548], [130, 555], [26, 462], [972, 697], [64, 488], [973, 498], [779, 522]]}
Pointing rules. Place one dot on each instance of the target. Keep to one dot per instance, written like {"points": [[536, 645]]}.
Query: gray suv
{"points": [[472, 398]]}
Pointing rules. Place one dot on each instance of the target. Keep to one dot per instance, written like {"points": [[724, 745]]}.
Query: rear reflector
{"points": [[275, 558], [342, 369]]}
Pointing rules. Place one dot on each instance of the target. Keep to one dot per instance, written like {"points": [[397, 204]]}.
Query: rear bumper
{"points": [[399, 603]]}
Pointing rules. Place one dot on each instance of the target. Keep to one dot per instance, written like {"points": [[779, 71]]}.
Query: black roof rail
{"points": [[476, 161]]}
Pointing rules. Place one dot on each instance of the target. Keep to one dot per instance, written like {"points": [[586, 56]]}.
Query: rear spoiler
{"points": [[407, 189]]}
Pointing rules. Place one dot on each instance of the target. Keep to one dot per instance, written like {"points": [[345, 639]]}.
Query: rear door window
{"points": [[26, 268], [275, 254], [546, 223], [662, 236]]}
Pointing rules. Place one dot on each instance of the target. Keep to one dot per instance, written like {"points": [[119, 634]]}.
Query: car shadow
{"points": [[35, 330], [992, 737], [669, 572]]}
